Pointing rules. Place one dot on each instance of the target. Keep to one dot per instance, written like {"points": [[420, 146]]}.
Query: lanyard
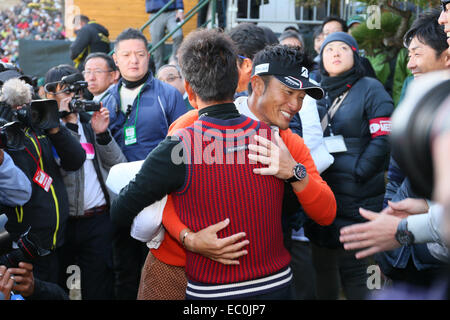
{"points": [[38, 150], [326, 121], [137, 105]]}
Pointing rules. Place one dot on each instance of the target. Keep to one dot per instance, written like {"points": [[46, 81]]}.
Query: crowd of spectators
{"points": [[31, 19]]}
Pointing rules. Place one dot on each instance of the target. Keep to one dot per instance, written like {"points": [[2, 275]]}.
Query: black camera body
{"points": [[28, 250], [41, 113], [11, 136], [78, 105], [75, 85]]}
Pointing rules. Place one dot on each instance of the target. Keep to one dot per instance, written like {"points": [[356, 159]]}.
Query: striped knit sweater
{"points": [[215, 190]]}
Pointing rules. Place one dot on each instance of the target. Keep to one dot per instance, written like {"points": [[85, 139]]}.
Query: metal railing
{"points": [[187, 17], [301, 20]]}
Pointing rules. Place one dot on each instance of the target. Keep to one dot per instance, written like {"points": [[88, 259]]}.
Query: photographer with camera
{"points": [[89, 235], [20, 280], [47, 210]]}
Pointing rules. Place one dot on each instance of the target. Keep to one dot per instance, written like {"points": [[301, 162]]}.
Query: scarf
{"points": [[335, 86], [135, 84]]}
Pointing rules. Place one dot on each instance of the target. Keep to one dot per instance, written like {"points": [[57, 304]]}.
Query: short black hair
{"points": [[271, 37], [109, 60], [207, 59], [428, 31], [287, 55], [55, 74], [130, 34], [248, 38], [337, 19], [292, 28]]}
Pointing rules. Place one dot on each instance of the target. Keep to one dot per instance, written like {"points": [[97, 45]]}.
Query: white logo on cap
{"points": [[262, 68], [305, 72], [294, 82]]}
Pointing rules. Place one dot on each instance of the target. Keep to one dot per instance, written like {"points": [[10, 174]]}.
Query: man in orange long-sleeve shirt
{"points": [[274, 99]]}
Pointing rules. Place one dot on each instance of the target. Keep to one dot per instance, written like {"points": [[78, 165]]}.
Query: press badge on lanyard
{"points": [[130, 131], [42, 179], [130, 135], [335, 144]]}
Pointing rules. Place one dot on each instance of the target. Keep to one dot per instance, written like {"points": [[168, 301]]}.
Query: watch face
{"points": [[404, 238], [300, 171]]}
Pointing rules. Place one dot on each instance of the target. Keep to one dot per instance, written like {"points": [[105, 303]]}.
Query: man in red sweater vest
{"points": [[310, 189]]}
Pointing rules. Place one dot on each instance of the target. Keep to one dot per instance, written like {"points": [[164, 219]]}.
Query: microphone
{"points": [[72, 78], [16, 92]]}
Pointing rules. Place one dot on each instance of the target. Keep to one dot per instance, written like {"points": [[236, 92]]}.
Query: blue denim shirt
{"points": [[419, 253]]}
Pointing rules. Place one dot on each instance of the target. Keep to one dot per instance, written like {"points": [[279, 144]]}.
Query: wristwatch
{"points": [[299, 173], [403, 236]]}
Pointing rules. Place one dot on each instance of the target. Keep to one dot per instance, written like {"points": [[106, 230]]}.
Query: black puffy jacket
{"points": [[357, 175], [92, 37]]}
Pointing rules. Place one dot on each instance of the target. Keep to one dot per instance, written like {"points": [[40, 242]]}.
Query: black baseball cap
{"points": [[293, 76]]}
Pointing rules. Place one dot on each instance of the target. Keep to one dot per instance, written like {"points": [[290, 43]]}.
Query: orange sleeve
{"points": [[317, 199], [183, 121], [171, 220]]}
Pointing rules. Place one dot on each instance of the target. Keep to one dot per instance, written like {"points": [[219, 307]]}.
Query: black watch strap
{"points": [[403, 236], [299, 173]]}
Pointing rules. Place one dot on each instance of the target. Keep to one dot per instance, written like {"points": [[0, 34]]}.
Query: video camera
{"points": [[41, 113], [28, 250], [75, 83], [16, 102], [11, 136]]}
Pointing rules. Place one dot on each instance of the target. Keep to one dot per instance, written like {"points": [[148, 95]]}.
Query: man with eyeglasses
{"points": [[101, 73], [171, 74]]}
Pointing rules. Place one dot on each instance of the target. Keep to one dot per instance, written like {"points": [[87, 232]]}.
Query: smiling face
{"points": [[337, 58], [423, 58], [132, 59], [274, 103]]}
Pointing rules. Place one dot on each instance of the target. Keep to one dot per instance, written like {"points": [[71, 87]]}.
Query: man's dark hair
{"points": [[271, 37], [337, 19], [208, 63], [130, 34], [289, 56], [55, 74], [428, 31], [292, 28], [249, 39], [109, 60], [81, 18]]}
